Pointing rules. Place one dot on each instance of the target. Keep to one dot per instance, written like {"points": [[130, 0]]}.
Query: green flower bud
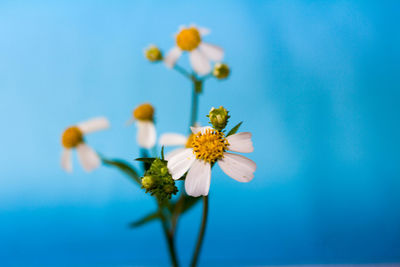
{"points": [[221, 71], [148, 182], [218, 118], [158, 181], [153, 54]]}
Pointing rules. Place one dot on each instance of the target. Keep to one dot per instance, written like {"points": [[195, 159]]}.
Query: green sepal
{"points": [[234, 129]]}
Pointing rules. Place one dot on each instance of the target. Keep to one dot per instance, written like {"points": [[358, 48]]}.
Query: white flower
{"points": [[73, 137], [207, 147], [200, 53], [146, 136]]}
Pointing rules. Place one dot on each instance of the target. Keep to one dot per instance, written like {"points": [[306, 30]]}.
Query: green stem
{"points": [[197, 88], [183, 71], [169, 237], [201, 233]]}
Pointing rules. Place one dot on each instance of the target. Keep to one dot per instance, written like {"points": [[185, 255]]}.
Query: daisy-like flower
{"points": [[73, 138], [209, 146], [189, 39], [144, 117]]}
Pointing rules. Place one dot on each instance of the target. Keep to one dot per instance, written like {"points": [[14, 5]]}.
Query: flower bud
{"points": [[158, 181], [221, 71], [148, 182], [218, 118], [153, 54]]}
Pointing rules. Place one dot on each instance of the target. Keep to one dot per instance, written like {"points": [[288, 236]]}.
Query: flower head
{"points": [[221, 71], [73, 138], [211, 146], [190, 39], [153, 53], [144, 117]]}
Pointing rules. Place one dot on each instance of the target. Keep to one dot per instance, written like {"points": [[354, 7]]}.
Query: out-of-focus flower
{"points": [[189, 39], [221, 71], [209, 146], [73, 138], [153, 53], [144, 116]]}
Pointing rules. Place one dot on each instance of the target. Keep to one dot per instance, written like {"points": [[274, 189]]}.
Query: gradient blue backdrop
{"points": [[317, 84]]}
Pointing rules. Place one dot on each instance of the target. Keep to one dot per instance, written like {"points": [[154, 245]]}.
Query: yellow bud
{"points": [[153, 54], [221, 71]]}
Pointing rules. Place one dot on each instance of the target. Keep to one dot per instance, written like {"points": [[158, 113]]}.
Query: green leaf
{"points": [[146, 219], [147, 160], [124, 167], [188, 203], [234, 129]]}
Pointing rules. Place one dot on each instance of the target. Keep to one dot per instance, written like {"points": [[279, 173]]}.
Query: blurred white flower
{"points": [[73, 138], [207, 147], [144, 117], [189, 39]]}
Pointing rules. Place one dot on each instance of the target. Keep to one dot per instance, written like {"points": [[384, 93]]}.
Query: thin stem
{"points": [[201, 233], [197, 88], [183, 71], [170, 238]]}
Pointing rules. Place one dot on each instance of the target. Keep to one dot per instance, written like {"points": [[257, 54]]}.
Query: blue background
{"points": [[316, 82]]}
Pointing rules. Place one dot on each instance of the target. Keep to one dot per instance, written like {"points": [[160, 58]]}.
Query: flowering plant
{"points": [[190, 164]]}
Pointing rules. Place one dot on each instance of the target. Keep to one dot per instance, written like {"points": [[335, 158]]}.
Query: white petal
{"points": [[200, 63], [87, 157], [240, 142], [146, 136], [179, 163], [174, 152], [197, 182], [172, 139], [203, 31], [195, 130], [238, 167], [172, 56], [66, 160], [93, 125], [212, 52]]}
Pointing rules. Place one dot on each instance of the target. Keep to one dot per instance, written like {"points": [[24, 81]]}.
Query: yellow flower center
{"points": [[210, 145], [144, 112], [189, 141], [188, 39], [72, 137]]}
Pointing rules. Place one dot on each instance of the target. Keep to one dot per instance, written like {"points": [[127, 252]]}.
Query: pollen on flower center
{"points": [[72, 137], [144, 112], [188, 39], [210, 145]]}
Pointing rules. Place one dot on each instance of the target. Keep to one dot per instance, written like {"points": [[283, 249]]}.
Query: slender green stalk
{"points": [[183, 72], [197, 88], [201, 233], [169, 237]]}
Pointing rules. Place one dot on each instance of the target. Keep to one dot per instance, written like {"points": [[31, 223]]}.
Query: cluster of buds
{"points": [[158, 181], [218, 118]]}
